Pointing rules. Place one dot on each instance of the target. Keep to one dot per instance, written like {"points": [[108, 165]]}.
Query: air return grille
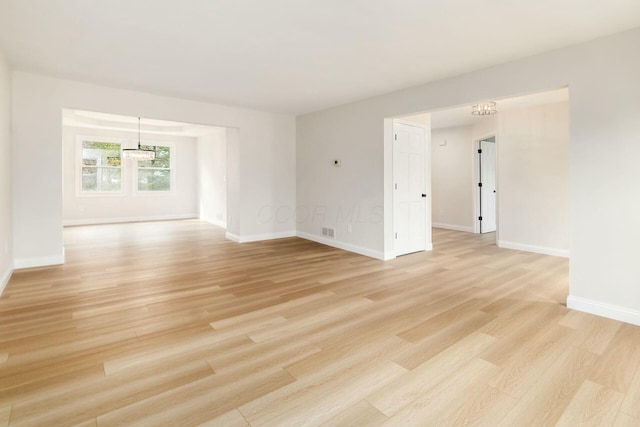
{"points": [[329, 232]]}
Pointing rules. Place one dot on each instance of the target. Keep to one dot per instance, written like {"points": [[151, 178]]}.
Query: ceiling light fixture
{"points": [[484, 108], [138, 153]]}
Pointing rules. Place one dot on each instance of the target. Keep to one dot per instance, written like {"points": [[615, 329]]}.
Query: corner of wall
{"points": [[5, 277]]}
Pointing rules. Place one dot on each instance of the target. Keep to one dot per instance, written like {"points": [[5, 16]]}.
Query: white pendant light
{"points": [[138, 153]]}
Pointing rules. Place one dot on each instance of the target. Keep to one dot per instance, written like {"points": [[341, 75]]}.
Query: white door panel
{"points": [[409, 164]]}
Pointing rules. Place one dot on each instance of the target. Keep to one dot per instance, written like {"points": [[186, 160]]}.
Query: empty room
{"points": [[296, 213]]}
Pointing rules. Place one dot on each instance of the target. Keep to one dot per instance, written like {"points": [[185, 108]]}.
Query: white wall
{"points": [[212, 178], [326, 195], [264, 152], [533, 179], [602, 77], [451, 178], [485, 127], [6, 229], [181, 202]]}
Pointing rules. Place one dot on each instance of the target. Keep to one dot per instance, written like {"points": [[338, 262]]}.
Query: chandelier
{"points": [[138, 153], [484, 108]]}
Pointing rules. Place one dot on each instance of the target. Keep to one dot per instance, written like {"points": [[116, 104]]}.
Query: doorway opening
{"points": [[187, 179], [517, 184]]}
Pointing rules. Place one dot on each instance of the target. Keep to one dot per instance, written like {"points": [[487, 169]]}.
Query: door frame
{"points": [[427, 183], [474, 181]]}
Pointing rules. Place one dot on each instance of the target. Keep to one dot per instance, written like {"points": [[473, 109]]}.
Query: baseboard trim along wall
{"points": [[388, 255], [604, 310], [259, 237], [115, 220], [345, 246], [535, 249], [452, 227], [6, 276], [20, 263], [231, 236]]}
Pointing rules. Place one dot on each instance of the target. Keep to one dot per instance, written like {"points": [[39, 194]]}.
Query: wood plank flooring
{"points": [[169, 324]]}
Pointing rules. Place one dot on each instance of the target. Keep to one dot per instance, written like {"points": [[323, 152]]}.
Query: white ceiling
{"points": [[461, 116], [93, 120], [292, 56]]}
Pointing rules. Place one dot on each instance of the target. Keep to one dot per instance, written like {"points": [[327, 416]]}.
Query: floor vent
{"points": [[329, 232]]}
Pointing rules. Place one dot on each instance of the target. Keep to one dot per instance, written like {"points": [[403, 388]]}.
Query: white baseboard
{"points": [[452, 227], [346, 246], [4, 279], [531, 248], [605, 310], [268, 236], [259, 237], [231, 236], [115, 220], [391, 255], [20, 263], [388, 255]]}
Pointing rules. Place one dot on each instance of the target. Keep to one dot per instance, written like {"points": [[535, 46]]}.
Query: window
{"points": [[155, 175], [101, 170]]}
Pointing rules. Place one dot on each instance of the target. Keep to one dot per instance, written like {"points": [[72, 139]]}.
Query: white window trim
{"points": [[172, 169], [78, 166]]}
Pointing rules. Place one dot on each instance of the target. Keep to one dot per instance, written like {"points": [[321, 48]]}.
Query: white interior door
{"points": [[488, 189], [409, 197]]}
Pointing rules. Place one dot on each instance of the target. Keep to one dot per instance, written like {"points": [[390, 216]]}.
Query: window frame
{"points": [[80, 139], [172, 170]]}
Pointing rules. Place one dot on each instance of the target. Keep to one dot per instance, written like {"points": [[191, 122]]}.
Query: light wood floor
{"points": [[169, 324]]}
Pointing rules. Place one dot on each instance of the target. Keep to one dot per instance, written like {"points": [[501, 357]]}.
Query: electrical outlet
{"points": [[349, 229], [230, 219]]}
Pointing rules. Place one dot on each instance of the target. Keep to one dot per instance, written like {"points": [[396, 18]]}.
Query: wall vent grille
{"points": [[329, 232]]}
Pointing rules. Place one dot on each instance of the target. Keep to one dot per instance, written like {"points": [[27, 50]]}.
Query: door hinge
{"points": [[479, 184], [396, 235], [396, 185], [395, 136], [480, 151], [479, 218]]}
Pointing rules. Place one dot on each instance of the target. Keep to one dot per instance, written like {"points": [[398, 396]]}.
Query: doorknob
{"points": [[424, 195]]}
